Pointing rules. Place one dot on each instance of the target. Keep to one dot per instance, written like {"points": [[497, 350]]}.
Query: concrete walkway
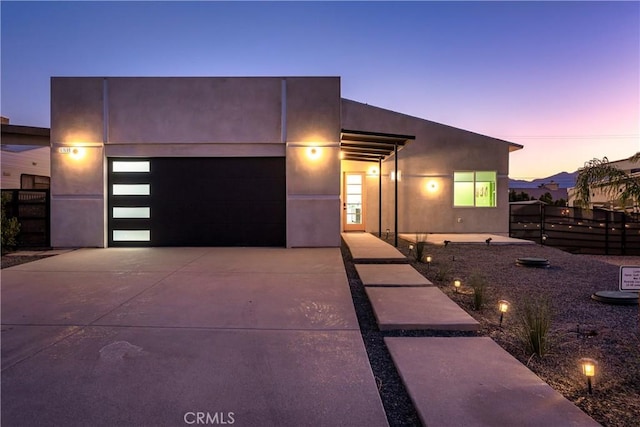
{"points": [[474, 382], [162, 336], [467, 238], [469, 381], [365, 247], [401, 297]]}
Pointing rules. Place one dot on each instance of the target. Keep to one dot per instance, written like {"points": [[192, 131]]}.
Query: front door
{"points": [[353, 201]]}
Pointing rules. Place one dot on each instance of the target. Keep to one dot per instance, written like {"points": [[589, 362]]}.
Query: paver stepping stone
{"points": [[390, 275], [365, 247], [472, 381], [418, 308]]}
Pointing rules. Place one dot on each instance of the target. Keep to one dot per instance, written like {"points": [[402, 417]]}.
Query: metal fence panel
{"points": [[577, 230], [32, 208]]}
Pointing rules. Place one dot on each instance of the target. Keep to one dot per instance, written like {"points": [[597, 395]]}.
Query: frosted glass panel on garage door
{"points": [[131, 189], [131, 166], [135, 212]]}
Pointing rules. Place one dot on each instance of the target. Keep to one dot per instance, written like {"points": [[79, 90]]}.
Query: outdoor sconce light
{"points": [[432, 186], [313, 153], [456, 284], [74, 152], [589, 370], [503, 306]]}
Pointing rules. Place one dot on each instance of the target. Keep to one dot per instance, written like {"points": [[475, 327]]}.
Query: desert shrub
{"points": [[444, 273], [534, 318], [10, 226], [479, 285], [421, 243]]}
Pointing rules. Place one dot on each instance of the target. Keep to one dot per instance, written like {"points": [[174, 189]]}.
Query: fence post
{"points": [[606, 233], [542, 219], [623, 236]]}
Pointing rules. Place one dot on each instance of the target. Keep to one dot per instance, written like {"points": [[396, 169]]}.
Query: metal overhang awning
{"points": [[370, 146]]}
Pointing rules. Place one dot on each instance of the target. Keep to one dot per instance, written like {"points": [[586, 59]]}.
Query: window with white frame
{"points": [[474, 189]]}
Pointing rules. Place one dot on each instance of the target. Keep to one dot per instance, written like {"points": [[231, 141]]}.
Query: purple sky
{"points": [[563, 79]]}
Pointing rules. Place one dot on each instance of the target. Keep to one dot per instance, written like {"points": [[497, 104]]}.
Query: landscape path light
{"points": [[589, 370], [503, 306], [429, 259], [456, 284]]}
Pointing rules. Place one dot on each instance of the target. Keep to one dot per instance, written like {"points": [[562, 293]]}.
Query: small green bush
{"points": [[10, 226], [479, 285], [534, 319]]}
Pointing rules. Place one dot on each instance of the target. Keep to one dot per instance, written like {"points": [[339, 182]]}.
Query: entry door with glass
{"points": [[353, 202]]}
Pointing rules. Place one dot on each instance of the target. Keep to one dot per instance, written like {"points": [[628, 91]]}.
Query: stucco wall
{"points": [[432, 157], [199, 116]]}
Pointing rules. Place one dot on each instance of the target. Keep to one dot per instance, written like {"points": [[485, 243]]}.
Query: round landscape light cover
{"points": [[616, 297]]}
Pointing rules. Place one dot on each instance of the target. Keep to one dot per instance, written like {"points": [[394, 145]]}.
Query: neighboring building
{"points": [[256, 161], [553, 188], [25, 157], [601, 200]]}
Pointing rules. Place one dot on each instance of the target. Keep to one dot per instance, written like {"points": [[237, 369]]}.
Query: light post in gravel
{"points": [[503, 306], [589, 370]]}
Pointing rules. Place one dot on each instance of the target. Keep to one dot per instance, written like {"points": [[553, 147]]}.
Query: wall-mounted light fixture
{"points": [[393, 176], [373, 171], [313, 153], [432, 186], [74, 152]]}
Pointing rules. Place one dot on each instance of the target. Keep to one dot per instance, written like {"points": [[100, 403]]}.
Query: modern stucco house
{"points": [[269, 161]]}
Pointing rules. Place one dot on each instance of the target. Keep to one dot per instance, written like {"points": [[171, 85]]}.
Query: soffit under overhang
{"points": [[367, 146]]}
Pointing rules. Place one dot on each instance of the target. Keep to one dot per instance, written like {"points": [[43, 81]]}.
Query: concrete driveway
{"points": [[184, 336]]}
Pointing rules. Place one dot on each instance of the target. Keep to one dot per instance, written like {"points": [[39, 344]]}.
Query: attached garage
{"points": [[197, 201]]}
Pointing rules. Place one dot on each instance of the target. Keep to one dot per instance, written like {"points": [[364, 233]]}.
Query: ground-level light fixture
{"points": [[456, 284], [429, 259], [388, 231], [588, 370], [503, 307]]}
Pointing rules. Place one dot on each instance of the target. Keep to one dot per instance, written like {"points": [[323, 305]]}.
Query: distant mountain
{"points": [[564, 180]]}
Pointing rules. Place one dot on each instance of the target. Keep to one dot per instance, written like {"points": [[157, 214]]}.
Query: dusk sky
{"points": [[562, 79]]}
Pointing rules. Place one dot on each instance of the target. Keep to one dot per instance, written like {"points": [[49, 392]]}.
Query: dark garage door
{"points": [[230, 201]]}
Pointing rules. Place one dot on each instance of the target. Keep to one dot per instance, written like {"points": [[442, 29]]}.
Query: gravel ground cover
{"points": [[11, 260], [581, 327]]}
